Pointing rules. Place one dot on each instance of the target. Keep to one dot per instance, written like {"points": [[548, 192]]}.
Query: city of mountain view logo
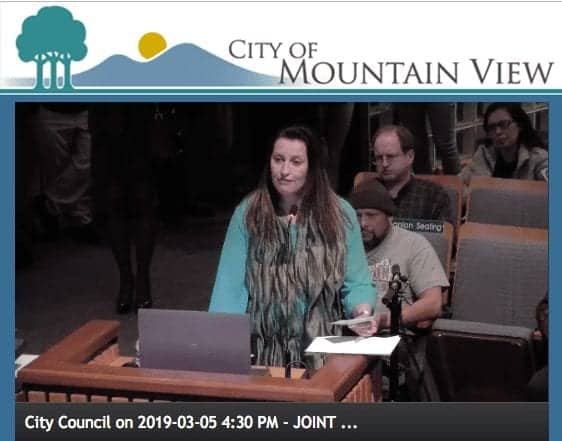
{"points": [[54, 38]]}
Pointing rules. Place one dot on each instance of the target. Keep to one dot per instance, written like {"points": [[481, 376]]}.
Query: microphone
{"points": [[396, 278], [392, 298], [387, 299], [393, 286], [292, 217], [293, 213]]}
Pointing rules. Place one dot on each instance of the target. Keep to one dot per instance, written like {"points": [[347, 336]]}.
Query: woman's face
{"points": [[289, 167], [502, 130]]}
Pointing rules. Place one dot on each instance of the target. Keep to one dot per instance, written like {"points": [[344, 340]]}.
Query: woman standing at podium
{"points": [[293, 258]]}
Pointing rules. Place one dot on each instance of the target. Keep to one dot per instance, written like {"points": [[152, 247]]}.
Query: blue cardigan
{"points": [[230, 293]]}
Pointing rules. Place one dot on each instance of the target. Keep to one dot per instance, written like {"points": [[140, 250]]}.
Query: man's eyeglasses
{"points": [[504, 124]]}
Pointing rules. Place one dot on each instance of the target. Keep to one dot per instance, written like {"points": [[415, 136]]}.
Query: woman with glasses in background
{"points": [[514, 149]]}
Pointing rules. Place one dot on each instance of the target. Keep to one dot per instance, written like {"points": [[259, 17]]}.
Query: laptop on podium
{"points": [[194, 340]]}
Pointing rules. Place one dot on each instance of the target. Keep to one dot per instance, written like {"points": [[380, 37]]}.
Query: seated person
{"points": [[514, 150], [388, 245], [537, 389], [293, 257], [393, 150]]}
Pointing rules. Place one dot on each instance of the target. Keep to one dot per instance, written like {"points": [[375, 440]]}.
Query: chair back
{"points": [[522, 203], [501, 274], [442, 243], [363, 176]]}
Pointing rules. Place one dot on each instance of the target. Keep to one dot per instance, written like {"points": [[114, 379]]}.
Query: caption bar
{"points": [[277, 421]]}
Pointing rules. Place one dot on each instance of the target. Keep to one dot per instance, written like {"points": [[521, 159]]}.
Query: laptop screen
{"points": [[194, 340]]}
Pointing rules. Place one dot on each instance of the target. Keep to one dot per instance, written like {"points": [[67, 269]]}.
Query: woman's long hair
{"points": [[528, 136], [319, 202]]}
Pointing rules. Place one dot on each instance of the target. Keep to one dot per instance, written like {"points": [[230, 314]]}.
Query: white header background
{"points": [[344, 32]]}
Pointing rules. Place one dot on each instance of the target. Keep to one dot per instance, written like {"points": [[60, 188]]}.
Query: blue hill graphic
{"points": [[184, 65]]}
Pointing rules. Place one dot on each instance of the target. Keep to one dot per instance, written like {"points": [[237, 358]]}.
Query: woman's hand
{"points": [[379, 322], [368, 328]]}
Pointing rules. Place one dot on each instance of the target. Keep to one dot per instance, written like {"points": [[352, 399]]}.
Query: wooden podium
{"points": [[86, 366]]}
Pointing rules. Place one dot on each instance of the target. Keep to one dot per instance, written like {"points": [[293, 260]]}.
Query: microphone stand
{"points": [[393, 301], [288, 362], [395, 306]]}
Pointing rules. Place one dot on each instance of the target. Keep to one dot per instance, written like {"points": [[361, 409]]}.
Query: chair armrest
{"points": [[480, 328]]}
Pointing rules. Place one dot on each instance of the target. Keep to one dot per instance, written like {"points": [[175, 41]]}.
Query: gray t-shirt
{"points": [[417, 259]]}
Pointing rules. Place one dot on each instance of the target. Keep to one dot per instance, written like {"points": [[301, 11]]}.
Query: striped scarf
{"points": [[294, 291]]}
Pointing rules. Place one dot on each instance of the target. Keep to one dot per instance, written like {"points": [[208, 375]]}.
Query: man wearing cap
{"points": [[387, 245], [393, 152]]}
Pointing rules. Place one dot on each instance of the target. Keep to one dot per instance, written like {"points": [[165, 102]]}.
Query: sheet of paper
{"points": [[353, 321], [382, 346], [23, 360]]}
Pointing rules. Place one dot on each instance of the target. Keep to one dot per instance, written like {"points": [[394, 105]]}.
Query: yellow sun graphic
{"points": [[151, 44]]}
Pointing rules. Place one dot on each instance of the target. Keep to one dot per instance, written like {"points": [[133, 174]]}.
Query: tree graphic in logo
{"points": [[52, 36]]}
